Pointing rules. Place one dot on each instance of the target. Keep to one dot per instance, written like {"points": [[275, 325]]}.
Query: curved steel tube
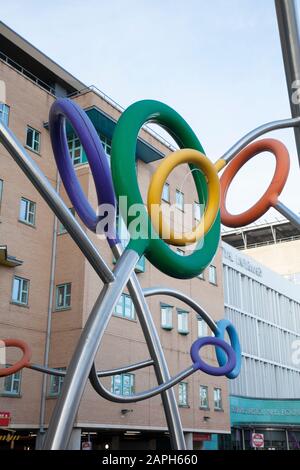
{"points": [[184, 298], [258, 131], [103, 392], [102, 373]]}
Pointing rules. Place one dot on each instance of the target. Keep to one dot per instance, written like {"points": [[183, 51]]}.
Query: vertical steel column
{"points": [[289, 37]]}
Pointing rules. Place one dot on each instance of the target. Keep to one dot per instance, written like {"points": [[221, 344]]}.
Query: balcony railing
{"points": [[26, 73]]}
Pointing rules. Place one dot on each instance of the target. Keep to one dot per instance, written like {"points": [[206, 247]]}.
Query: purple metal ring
{"points": [[211, 370], [61, 110]]}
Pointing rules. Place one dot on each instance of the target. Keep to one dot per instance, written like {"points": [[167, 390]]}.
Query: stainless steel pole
{"points": [[288, 25], [63, 417]]}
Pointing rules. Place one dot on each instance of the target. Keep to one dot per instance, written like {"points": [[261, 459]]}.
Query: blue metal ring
{"points": [[223, 326]]}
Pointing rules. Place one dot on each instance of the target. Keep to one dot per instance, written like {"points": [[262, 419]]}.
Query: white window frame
{"points": [[60, 380], [166, 193], [73, 145], [212, 274], [166, 315], [27, 212], [66, 296], [13, 379], [218, 405], [35, 146], [204, 388], [202, 329], [179, 204], [197, 211], [4, 113], [21, 290], [122, 389], [183, 394], [121, 304], [183, 321]]}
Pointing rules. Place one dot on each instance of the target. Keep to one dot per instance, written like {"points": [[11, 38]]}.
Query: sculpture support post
{"points": [[289, 37]]}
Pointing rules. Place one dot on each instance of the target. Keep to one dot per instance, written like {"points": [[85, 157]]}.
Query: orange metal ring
{"points": [[23, 362], [270, 197]]}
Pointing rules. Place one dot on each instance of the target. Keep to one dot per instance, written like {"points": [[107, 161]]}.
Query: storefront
{"points": [[275, 422]]}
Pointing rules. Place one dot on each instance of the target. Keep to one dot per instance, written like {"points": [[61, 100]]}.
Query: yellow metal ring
{"points": [[155, 191]]}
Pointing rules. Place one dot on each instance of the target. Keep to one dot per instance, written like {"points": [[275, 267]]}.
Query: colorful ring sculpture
{"points": [[124, 183], [157, 182], [23, 362]]}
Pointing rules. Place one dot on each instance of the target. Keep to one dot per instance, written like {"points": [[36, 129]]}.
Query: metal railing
{"points": [[26, 73], [120, 108]]}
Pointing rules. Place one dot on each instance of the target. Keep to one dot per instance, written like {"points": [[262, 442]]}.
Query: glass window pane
{"points": [[212, 274], [166, 192], [29, 138]]}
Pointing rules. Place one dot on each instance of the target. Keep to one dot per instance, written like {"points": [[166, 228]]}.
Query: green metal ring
{"points": [[125, 182]]}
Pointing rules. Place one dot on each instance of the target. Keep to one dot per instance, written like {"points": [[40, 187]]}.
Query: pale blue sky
{"points": [[217, 62]]}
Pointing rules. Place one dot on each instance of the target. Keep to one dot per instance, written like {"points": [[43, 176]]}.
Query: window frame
{"points": [[122, 376], [198, 205], [35, 133], [166, 326], [52, 394], [124, 296], [4, 112], [15, 378], [216, 407], [181, 311], [204, 407], [179, 206], [214, 280], [22, 291], [28, 212], [65, 295], [200, 321], [166, 186], [186, 403], [71, 139]]}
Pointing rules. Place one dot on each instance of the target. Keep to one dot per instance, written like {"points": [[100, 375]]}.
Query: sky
{"points": [[218, 63]]}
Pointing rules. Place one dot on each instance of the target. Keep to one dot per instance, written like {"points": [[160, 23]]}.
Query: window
{"points": [[166, 193], [201, 276], [106, 142], [123, 384], [61, 228], [33, 139], [27, 211], [1, 191], [218, 399], [197, 211], [20, 290], [183, 324], [202, 327], [183, 394], [204, 396], [180, 200], [76, 149], [125, 308], [63, 296], [4, 113], [11, 385], [56, 383], [212, 275], [166, 312]]}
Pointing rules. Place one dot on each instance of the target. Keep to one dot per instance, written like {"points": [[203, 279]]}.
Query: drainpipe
{"points": [[49, 322]]}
